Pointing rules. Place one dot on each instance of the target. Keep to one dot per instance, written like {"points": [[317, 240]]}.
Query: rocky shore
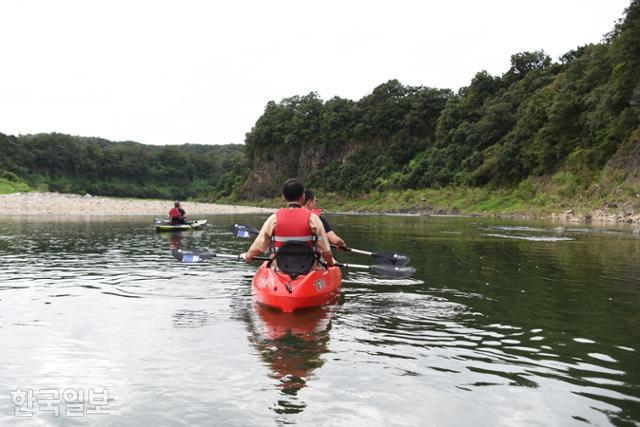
{"points": [[57, 204], [597, 216]]}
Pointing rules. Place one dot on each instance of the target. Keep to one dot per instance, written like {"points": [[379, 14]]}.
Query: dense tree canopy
{"points": [[73, 164], [342, 144]]}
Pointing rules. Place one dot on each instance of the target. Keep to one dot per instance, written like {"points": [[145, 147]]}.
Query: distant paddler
{"points": [[177, 215]]}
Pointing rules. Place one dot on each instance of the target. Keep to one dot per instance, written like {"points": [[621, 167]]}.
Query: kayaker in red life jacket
{"points": [[292, 221], [310, 202], [177, 214]]}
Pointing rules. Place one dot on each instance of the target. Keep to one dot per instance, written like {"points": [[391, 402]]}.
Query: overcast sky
{"points": [[170, 72]]}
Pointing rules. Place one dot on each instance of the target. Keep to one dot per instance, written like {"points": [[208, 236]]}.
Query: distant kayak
{"points": [[165, 225], [278, 290]]}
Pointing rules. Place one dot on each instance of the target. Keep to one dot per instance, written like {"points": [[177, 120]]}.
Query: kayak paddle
{"points": [[244, 231], [193, 257], [392, 258], [386, 271]]}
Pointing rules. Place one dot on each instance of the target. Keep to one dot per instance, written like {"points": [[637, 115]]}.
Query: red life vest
{"points": [[318, 212], [174, 213], [292, 224]]}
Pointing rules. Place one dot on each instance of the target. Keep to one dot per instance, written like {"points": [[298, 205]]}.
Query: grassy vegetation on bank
{"points": [[10, 183], [532, 197]]}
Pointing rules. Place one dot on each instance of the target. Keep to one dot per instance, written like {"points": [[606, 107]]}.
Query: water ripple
{"points": [[499, 333]]}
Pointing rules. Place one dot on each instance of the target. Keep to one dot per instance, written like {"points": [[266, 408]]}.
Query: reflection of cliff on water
{"points": [[291, 345]]}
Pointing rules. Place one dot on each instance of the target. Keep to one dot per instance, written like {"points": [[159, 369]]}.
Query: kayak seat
{"points": [[295, 258]]}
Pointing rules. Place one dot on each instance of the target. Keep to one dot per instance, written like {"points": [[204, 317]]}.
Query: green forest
{"points": [[569, 127], [563, 119], [71, 164]]}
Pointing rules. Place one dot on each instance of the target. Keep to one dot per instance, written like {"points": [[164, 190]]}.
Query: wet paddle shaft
{"points": [[387, 271]]}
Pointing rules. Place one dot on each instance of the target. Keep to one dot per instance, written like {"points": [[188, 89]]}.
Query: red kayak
{"points": [[278, 290]]}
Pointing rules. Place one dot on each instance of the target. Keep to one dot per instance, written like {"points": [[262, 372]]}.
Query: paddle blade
{"points": [[392, 271], [391, 258], [191, 257], [244, 231]]}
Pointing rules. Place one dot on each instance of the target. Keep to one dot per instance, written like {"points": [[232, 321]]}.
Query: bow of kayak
{"points": [[278, 290]]}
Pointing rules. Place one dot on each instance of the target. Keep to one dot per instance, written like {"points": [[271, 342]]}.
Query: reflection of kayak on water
{"points": [[275, 324], [165, 225], [291, 345]]}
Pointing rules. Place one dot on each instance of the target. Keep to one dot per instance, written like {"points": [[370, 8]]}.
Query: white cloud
{"points": [[168, 72]]}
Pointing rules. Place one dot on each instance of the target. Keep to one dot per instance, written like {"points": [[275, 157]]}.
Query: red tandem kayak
{"points": [[278, 290]]}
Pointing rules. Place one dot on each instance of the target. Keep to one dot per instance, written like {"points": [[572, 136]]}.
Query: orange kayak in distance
{"points": [[279, 290]]}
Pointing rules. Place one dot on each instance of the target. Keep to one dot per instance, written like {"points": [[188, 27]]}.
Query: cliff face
{"points": [[272, 166], [266, 171]]}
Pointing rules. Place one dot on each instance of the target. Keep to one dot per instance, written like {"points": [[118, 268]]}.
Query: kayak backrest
{"points": [[295, 258]]}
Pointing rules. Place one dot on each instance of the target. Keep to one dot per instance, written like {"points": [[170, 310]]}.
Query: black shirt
{"points": [[325, 223]]}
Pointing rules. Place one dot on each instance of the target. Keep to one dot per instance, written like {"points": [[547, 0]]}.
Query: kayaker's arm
{"points": [[323, 241], [262, 242], [318, 229], [328, 258], [334, 239]]}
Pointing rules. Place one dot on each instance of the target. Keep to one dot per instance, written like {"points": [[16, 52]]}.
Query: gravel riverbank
{"points": [[58, 204]]}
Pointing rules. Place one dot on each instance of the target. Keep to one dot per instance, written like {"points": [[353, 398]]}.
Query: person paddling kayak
{"points": [[293, 223], [177, 214], [310, 202]]}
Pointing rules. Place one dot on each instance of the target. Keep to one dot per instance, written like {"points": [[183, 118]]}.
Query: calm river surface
{"points": [[505, 323]]}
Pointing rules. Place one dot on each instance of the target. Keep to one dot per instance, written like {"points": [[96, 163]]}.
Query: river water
{"points": [[504, 324]]}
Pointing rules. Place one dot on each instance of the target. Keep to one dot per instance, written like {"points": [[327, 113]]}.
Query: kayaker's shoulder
{"points": [[272, 219]]}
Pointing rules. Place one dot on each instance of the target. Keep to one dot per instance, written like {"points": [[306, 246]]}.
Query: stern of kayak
{"points": [[278, 290]]}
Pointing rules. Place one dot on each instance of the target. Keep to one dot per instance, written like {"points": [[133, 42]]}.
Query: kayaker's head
{"points": [[176, 205], [309, 199], [293, 191]]}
